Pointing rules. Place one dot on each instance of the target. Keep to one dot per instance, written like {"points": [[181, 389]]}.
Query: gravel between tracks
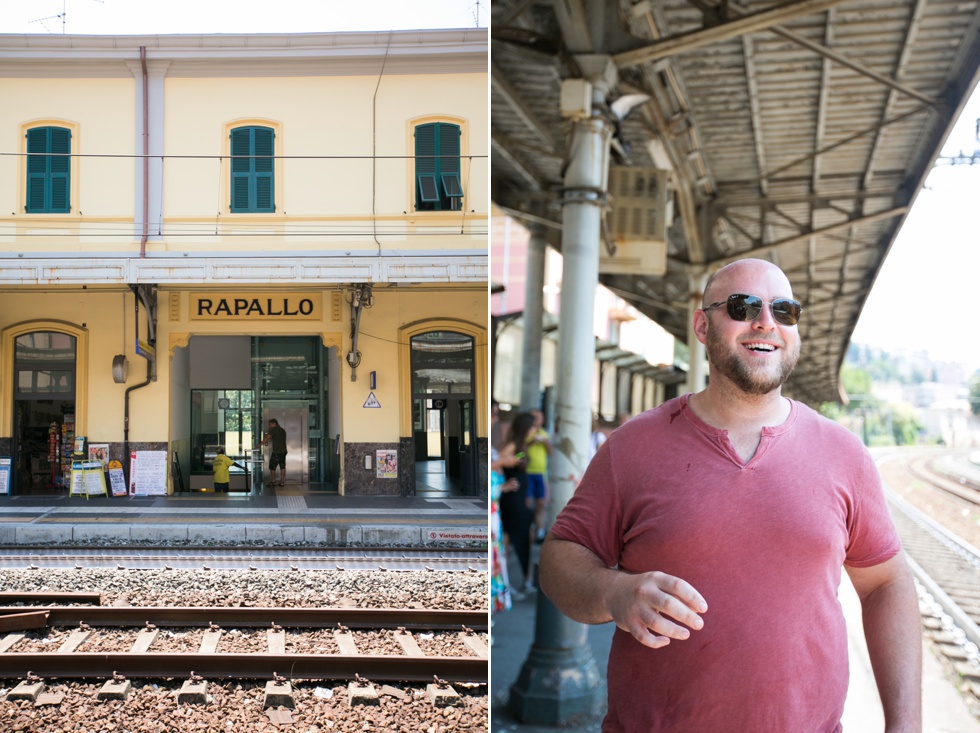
{"points": [[261, 588], [237, 708]]}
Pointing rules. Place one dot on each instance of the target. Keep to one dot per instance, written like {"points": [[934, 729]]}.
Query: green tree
{"points": [[975, 394]]}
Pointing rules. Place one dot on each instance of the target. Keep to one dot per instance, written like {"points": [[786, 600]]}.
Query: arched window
{"points": [[442, 364], [253, 165], [44, 365], [437, 182], [48, 170]]}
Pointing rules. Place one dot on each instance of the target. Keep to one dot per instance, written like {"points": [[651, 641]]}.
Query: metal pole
{"points": [[560, 681], [533, 310], [696, 377]]}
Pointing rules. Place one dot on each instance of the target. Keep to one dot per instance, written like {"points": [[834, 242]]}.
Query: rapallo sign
{"points": [[252, 307]]}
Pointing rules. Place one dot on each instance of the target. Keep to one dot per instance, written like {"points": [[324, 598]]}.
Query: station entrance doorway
{"points": [[236, 384], [444, 414]]}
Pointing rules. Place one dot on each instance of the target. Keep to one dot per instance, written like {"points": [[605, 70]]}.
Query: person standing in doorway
{"points": [[277, 435], [221, 464]]}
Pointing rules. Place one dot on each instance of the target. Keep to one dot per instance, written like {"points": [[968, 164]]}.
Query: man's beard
{"points": [[726, 362]]}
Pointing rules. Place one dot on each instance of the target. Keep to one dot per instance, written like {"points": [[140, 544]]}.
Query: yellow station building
{"points": [[202, 232]]}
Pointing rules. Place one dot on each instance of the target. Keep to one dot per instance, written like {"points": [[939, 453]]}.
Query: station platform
{"points": [[944, 710], [286, 516]]}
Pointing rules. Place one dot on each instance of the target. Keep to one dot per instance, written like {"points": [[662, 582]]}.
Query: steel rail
{"points": [[17, 596], [80, 665], [921, 467], [311, 618]]}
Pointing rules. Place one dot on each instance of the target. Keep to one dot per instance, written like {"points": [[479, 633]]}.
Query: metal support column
{"points": [[696, 377], [560, 682], [533, 311]]}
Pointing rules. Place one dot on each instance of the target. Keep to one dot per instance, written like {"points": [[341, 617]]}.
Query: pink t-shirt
{"points": [[763, 542]]}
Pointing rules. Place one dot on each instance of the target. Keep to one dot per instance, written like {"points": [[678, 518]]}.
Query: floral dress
{"points": [[500, 599]]}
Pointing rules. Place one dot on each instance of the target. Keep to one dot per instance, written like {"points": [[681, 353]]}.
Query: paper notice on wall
{"points": [[386, 462], [5, 475], [148, 473]]}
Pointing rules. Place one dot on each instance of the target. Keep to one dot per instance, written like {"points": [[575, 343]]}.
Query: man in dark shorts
{"points": [[278, 458]]}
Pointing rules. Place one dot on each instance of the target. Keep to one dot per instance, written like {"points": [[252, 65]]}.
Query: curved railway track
{"points": [[948, 570], [925, 467], [241, 558]]}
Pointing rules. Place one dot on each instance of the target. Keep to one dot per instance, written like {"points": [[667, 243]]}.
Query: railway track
{"points": [[948, 572], [242, 558], [155, 651], [376, 644], [926, 468]]}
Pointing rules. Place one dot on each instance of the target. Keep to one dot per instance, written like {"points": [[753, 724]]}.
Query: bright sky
{"points": [[119, 17], [925, 296]]}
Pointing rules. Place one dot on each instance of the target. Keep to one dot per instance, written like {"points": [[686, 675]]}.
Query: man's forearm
{"points": [[894, 635], [574, 579]]}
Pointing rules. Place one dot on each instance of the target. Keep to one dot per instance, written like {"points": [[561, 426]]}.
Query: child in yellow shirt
{"points": [[221, 464]]}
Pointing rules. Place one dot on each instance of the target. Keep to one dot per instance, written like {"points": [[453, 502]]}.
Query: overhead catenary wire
{"points": [[165, 156]]}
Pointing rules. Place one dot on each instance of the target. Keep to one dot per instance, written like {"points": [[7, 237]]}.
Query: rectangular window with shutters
{"points": [[48, 170], [437, 182], [253, 151]]}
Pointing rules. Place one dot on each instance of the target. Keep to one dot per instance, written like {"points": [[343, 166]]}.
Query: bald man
{"points": [[712, 530]]}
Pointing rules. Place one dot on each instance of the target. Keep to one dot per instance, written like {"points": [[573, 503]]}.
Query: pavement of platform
{"points": [[284, 518], [944, 710]]}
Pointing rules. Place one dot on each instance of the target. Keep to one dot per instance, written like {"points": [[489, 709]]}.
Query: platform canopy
{"points": [[798, 131]]}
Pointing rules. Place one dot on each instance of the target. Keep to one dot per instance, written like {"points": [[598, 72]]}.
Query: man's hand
{"points": [[641, 605], [587, 590]]}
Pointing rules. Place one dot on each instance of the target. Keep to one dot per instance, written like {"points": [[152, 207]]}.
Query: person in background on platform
{"points": [[712, 531], [597, 438], [515, 515], [538, 452], [277, 435], [220, 465], [499, 585]]}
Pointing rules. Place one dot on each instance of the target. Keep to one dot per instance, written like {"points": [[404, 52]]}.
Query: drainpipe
{"points": [[149, 378], [146, 161]]}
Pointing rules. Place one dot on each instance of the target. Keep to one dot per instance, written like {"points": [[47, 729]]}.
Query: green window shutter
{"points": [[437, 183], [48, 176], [253, 169], [240, 165], [449, 146], [264, 146], [60, 169]]}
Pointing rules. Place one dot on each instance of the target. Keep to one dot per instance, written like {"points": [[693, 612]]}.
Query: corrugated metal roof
{"points": [[799, 131]]}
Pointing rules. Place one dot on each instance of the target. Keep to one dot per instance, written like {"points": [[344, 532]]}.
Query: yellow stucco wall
{"points": [[340, 202], [365, 176], [382, 343], [101, 187]]}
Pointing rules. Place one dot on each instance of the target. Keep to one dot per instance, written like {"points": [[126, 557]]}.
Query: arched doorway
{"points": [[444, 413], [44, 410]]}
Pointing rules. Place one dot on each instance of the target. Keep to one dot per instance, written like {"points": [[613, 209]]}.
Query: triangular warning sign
{"points": [[372, 401]]}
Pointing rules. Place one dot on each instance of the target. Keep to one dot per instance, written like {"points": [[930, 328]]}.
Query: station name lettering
{"points": [[254, 307]]}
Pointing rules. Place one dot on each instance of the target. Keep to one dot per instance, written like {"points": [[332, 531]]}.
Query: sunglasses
{"points": [[741, 307]]}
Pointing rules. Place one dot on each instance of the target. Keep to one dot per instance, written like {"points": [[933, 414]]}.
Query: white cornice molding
{"points": [[245, 270], [305, 54]]}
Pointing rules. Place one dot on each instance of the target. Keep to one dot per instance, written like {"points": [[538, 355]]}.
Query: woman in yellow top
{"points": [[221, 464]]}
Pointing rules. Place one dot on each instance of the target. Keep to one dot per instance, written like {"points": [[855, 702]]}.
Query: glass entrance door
{"points": [[467, 447], [443, 406]]}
